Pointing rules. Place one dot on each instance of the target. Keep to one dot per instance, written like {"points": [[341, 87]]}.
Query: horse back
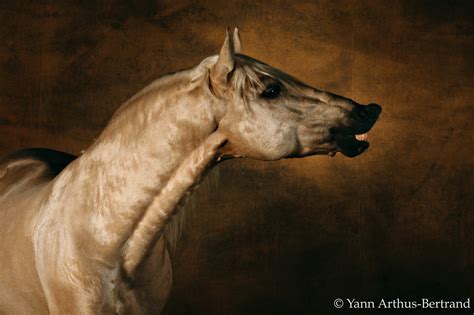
{"points": [[28, 167]]}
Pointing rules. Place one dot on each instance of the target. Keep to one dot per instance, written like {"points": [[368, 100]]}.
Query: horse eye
{"points": [[272, 91]]}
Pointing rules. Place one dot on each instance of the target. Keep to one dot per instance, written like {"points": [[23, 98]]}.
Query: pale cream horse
{"points": [[85, 235]]}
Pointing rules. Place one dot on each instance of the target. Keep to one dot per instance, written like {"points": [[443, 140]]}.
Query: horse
{"points": [[86, 234]]}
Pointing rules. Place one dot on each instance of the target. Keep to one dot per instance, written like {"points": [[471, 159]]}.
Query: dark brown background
{"points": [[284, 237]]}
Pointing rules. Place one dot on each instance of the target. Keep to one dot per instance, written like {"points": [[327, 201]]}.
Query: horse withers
{"points": [[86, 235]]}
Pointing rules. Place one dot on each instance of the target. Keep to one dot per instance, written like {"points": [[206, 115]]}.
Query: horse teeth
{"points": [[361, 137]]}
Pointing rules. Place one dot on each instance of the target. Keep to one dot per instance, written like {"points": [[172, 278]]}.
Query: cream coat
{"points": [[85, 235]]}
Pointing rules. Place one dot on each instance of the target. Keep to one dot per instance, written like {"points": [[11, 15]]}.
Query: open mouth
{"points": [[352, 141], [361, 137], [352, 145]]}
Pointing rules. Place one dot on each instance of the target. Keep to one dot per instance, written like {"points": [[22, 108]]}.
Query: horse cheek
{"points": [[268, 140]]}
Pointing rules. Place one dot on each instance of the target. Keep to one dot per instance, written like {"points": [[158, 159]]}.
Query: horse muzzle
{"points": [[351, 139]]}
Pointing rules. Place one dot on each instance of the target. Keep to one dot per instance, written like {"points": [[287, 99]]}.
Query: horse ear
{"points": [[237, 42], [225, 63]]}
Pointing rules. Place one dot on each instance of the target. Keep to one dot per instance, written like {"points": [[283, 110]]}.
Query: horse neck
{"points": [[134, 167]]}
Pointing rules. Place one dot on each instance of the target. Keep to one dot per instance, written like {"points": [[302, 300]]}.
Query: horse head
{"points": [[267, 114]]}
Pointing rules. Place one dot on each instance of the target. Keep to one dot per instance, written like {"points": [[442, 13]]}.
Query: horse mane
{"points": [[250, 73]]}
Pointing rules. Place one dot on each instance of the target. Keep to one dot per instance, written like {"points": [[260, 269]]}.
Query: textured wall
{"points": [[285, 237]]}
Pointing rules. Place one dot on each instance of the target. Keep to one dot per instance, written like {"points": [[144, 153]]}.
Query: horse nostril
{"points": [[362, 112], [368, 112], [374, 108]]}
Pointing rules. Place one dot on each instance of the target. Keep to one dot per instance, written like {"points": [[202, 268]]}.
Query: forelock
{"points": [[249, 73]]}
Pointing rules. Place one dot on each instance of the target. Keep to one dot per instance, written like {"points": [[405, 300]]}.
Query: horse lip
{"points": [[349, 146], [359, 129], [363, 125]]}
